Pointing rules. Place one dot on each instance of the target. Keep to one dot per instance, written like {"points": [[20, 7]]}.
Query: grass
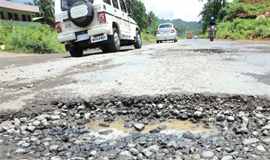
{"points": [[244, 29], [36, 39], [258, 8], [31, 39], [148, 37], [235, 8]]}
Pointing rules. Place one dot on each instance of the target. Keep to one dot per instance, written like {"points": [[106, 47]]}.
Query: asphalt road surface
{"points": [[188, 66]]}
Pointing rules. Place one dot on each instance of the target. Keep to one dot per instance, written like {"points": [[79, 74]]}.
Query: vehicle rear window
{"points": [[115, 4], [123, 6], [165, 26], [65, 4], [107, 1]]}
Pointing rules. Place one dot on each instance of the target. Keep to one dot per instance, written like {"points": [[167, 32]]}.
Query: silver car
{"points": [[166, 32]]}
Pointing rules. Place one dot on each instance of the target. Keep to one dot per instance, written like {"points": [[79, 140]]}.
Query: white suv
{"points": [[83, 24]]}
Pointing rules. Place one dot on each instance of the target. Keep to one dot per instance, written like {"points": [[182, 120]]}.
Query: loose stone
{"points": [[250, 141], [139, 126], [21, 151], [208, 154], [227, 158], [261, 148], [230, 119]]}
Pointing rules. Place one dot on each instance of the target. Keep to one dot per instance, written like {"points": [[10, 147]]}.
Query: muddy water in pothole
{"points": [[175, 124]]}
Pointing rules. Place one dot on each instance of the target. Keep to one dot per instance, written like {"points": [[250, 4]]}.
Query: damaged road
{"points": [[190, 100], [176, 127], [189, 66]]}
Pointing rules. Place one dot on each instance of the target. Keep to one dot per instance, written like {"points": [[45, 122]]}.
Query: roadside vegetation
{"points": [[31, 39], [244, 29], [148, 37], [239, 20]]}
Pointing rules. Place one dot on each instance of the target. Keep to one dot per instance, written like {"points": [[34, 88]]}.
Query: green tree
{"points": [[130, 2], [46, 8], [138, 13], [150, 18], [211, 9]]}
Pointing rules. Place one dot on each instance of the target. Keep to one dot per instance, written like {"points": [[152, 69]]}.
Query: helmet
{"points": [[212, 19]]}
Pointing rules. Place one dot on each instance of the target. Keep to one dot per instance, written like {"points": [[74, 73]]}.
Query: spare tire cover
{"points": [[81, 13]]}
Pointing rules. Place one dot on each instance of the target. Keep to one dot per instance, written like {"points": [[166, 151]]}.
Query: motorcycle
{"points": [[212, 33]]}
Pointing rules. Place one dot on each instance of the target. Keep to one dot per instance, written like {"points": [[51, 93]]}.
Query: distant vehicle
{"points": [[166, 32], [83, 24], [212, 33], [195, 37], [189, 36]]}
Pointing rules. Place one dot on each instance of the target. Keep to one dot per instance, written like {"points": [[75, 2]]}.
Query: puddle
{"points": [[175, 124], [119, 125]]}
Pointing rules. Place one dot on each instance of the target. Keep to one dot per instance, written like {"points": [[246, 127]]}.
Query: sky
{"points": [[23, 1], [187, 10]]}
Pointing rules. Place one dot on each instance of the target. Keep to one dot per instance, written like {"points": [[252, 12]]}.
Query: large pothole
{"points": [[166, 126]]}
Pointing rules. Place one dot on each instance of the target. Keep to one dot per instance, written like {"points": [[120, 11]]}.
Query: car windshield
{"points": [[65, 4], [165, 26]]}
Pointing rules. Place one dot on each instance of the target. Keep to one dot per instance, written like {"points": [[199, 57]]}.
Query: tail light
{"points": [[157, 31], [58, 27], [173, 30], [101, 17]]}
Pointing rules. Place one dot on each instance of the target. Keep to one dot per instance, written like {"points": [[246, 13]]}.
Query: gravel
{"points": [[224, 127]]}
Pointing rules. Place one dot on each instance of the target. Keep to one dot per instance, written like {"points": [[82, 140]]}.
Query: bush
{"points": [[263, 31], [31, 39], [148, 37], [231, 10], [243, 28]]}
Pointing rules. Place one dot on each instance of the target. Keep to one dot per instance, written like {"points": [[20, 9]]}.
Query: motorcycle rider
{"points": [[212, 23]]}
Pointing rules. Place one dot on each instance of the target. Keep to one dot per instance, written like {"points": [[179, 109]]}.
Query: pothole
{"points": [[146, 127], [210, 50], [199, 50], [152, 127]]}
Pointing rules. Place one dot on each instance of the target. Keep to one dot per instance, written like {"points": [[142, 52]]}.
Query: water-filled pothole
{"points": [[162, 126]]}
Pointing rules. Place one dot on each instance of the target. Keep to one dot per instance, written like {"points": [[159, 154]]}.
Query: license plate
{"points": [[68, 25], [82, 37], [99, 38]]}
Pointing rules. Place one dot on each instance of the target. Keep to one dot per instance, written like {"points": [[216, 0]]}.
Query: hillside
{"points": [[247, 9], [183, 26], [247, 19]]}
